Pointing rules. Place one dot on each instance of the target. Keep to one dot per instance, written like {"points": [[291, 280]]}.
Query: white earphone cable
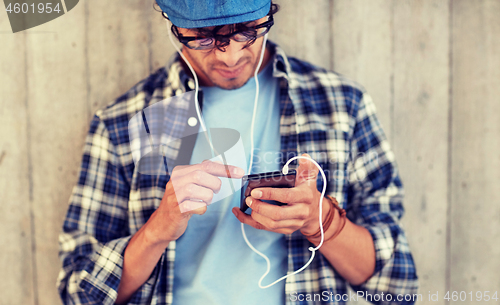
{"points": [[256, 72], [196, 85], [285, 171], [196, 89]]}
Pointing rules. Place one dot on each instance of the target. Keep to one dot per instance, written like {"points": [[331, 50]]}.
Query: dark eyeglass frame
{"points": [[223, 39]]}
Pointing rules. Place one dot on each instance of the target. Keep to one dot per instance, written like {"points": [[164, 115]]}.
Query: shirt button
{"points": [[192, 121]]}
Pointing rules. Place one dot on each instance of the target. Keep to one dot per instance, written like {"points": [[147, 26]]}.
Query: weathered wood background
{"points": [[432, 67]]}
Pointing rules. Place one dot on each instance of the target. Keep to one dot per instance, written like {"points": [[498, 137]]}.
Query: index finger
{"points": [[222, 170], [214, 168]]}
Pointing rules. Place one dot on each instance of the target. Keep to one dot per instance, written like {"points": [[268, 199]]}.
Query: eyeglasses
{"points": [[207, 42]]}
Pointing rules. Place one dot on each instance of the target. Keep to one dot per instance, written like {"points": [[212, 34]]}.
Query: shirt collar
{"points": [[281, 66]]}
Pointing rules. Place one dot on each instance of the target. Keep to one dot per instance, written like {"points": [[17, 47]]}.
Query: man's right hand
{"points": [[189, 191]]}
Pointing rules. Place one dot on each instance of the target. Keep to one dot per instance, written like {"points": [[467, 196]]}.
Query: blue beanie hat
{"points": [[203, 13]]}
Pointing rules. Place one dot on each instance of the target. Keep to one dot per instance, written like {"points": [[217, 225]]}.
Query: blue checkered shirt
{"points": [[322, 113]]}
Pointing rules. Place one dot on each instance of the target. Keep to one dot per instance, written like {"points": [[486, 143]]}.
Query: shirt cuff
{"points": [[101, 277]]}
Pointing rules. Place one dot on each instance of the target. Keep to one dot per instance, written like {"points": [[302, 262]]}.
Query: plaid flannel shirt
{"points": [[322, 113]]}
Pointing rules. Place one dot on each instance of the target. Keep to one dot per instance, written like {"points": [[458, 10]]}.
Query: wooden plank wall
{"points": [[432, 68]]}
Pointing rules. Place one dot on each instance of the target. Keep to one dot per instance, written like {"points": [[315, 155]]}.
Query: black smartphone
{"points": [[269, 179]]}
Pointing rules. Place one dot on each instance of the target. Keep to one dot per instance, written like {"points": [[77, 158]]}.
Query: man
{"points": [[141, 239]]}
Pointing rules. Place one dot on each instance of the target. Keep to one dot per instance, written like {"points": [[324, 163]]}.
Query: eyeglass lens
{"points": [[245, 36]]}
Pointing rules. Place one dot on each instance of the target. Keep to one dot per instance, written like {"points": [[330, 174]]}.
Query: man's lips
{"points": [[231, 73]]}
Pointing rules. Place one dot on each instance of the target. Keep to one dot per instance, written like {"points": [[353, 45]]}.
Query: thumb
{"points": [[307, 171]]}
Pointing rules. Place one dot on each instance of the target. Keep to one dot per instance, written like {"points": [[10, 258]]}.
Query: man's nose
{"points": [[231, 56]]}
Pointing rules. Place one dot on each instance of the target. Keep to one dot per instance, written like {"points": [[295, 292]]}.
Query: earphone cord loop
{"points": [[313, 250]]}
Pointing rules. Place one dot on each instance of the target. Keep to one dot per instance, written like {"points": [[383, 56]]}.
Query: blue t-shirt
{"points": [[213, 264]]}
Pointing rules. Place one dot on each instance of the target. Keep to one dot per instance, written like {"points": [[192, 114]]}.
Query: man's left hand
{"points": [[300, 213]]}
